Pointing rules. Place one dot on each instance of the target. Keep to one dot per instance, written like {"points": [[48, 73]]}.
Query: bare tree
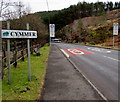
{"points": [[12, 10]]}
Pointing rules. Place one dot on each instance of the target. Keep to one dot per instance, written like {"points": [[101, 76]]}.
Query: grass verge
{"points": [[0, 90], [20, 88]]}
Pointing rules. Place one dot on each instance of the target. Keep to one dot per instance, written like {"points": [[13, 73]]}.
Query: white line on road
{"points": [[84, 76], [112, 58], [108, 51], [95, 88], [99, 50], [65, 53]]}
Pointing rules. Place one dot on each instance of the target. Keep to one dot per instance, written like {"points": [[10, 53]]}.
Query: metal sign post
{"points": [[113, 42], [50, 41], [8, 50], [1, 70], [115, 31], [29, 67]]}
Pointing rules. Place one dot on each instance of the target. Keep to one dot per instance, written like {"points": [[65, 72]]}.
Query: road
{"points": [[63, 82], [99, 65]]}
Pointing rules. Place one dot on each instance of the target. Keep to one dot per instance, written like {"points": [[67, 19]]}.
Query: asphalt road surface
{"points": [[99, 65], [63, 82]]}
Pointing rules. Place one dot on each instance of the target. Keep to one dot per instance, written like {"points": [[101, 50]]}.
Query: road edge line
{"points": [[65, 53], [94, 87], [112, 58]]}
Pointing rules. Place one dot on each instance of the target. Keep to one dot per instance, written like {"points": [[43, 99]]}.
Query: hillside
{"points": [[92, 30], [66, 16]]}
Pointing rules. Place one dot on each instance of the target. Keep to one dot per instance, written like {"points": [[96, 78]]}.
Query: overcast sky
{"points": [[41, 5]]}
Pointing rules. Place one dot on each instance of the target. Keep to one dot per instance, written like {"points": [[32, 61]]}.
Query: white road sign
{"points": [[19, 34], [115, 28], [52, 30]]}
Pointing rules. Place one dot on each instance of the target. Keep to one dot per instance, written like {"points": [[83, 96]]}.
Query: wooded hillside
{"points": [[66, 16], [93, 30]]}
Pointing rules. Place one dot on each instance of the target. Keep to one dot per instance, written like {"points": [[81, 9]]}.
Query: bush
{"points": [[92, 43]]}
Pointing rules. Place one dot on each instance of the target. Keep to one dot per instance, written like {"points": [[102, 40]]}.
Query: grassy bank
{"points": [[20, 88], [0, 90]]}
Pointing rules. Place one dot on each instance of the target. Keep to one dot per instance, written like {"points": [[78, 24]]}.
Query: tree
{"points": [[13, 10], [116, 5], [111, 5]]}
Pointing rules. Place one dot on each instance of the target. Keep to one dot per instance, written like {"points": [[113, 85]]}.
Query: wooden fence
{"points": [[18, 51]]}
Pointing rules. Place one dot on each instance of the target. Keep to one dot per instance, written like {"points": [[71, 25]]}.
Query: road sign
{"points": [[19, 34], [115, 28], [52, 30]]}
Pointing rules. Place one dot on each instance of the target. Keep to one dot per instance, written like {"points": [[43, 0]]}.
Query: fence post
{"points": [[22, 51], [31, 48], [22, 54], [15, 54]]}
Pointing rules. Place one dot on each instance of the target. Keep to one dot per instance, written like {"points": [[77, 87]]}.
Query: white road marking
{"points": [[65, 53], [112, 58], [99, 50], [108, 51], [95, 88]]}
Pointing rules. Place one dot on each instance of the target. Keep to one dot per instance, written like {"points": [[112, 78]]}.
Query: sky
{"points": [[41, 5]]}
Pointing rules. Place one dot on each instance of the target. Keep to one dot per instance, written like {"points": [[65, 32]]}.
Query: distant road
{"points": [[99, 65]]}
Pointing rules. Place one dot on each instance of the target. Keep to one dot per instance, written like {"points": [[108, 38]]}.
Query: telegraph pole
{"points": [[48, 22]]}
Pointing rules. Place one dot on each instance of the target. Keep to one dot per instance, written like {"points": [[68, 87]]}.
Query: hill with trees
{"points": [[79, 20], [85, 22], [66, 16], [92, 30]]}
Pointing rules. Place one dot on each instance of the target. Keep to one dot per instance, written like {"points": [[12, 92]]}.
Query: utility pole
{"points": [[48, 22]]}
